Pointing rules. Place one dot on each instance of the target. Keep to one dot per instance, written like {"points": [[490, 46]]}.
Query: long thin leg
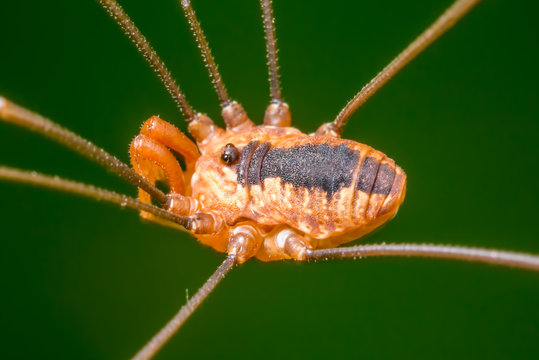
{"points": [[57, 183], [433, 32], [161, 338], [489, 256], [278, 112], [144, 47], [233, 113], [199, 223], [205, 50], [200, 125], [271, 49], [54, 182], [17, 115]]}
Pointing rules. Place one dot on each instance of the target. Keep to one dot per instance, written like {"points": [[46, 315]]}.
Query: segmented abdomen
{"points": [[321, 186]]}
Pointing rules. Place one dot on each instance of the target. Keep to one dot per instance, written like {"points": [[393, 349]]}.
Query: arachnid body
{"points": [[83, 269], [281, 191]]}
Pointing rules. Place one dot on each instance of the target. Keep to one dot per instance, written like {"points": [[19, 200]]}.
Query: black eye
{"points": [[230, 154]]}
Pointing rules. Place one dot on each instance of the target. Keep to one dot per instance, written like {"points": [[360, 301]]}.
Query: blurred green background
{"points": [[88, 280]]}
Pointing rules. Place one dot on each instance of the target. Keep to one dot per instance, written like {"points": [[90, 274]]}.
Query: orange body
{"points": [[327, 189]]}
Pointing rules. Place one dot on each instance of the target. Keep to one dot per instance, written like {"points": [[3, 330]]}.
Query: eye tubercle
{"points": [[230, 154]]}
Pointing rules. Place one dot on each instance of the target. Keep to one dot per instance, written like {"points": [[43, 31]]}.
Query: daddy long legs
{"points": [[451, 117]]}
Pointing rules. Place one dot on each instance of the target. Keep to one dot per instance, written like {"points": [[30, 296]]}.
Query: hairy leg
{"points": [[453, 14], [162, 337], [489, 256]]}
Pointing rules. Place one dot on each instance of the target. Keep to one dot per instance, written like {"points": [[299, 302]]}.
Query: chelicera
{"points": [[267, 191]]}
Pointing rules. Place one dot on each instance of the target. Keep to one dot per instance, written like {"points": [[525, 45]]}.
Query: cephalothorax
{"points": [[266, 191]]}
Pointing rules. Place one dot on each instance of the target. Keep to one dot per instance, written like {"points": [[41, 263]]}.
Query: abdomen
{"points": [[330, 189]]}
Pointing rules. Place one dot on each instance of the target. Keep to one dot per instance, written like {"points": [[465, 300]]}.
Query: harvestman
{"points": [[277, 115]]}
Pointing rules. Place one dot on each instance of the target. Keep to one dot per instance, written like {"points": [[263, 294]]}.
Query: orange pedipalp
{"points": [[148, 154], [168, 135]]}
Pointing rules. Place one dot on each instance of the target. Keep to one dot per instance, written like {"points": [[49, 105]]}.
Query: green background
{"points": [[88, 280]]}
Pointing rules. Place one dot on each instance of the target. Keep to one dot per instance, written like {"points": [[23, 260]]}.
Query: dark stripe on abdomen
{"points": [[384, 179], [323, 166], [367, 174], [253, 176], [245, 159], [374, 178]]}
